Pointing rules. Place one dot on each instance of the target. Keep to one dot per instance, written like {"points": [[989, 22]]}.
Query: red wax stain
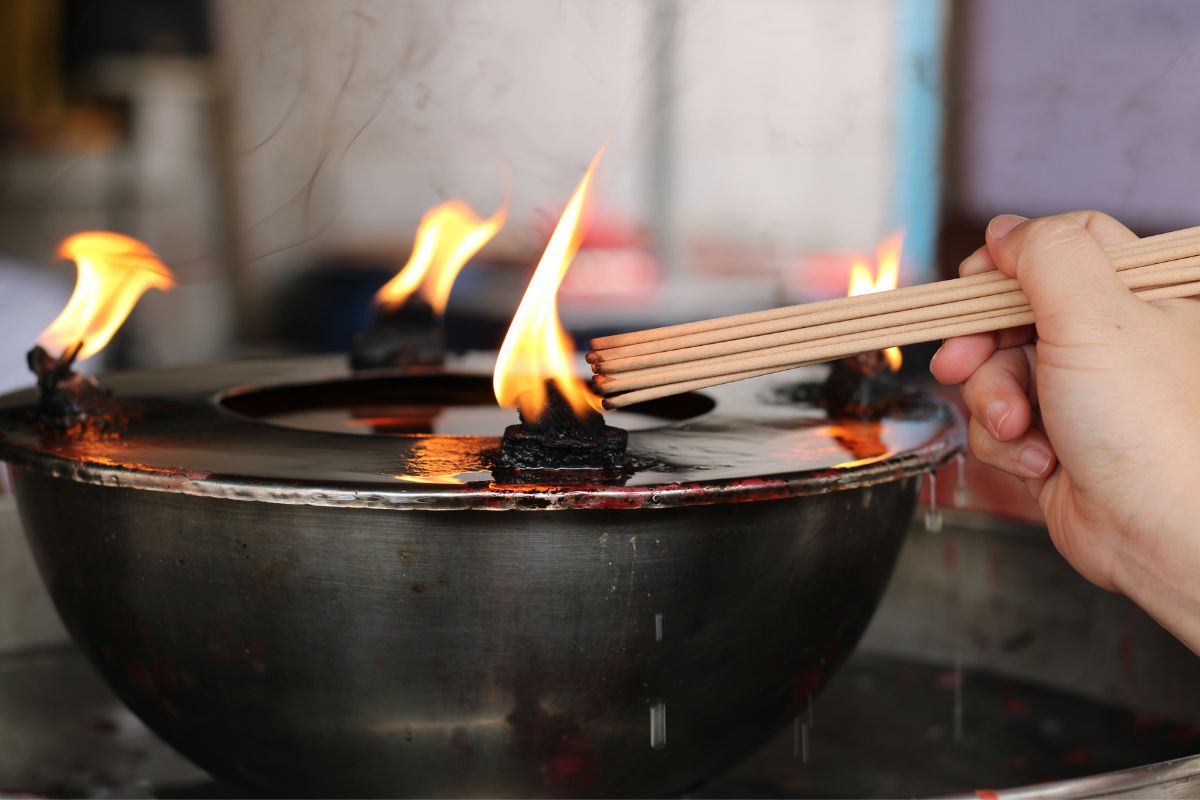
{"points": [[1017, 763], [258, 667], [377, 661], [1016, 707], [946, 680], [615, 501], [255, 648], [986, 794], [1077, 757]]}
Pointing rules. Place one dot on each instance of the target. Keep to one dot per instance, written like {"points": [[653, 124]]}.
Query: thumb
{"points": [[1068, 278]]}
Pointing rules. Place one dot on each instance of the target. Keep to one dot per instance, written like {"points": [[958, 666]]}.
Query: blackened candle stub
{"points": [[64, 395], [559, 439], [861, 387], [408, 335]]}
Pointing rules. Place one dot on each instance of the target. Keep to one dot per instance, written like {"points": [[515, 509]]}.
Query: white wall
{"points": [[351, 120]]}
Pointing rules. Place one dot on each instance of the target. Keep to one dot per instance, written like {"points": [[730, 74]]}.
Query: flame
{"points": [[536, 348], [884, 276], [112, 273], [448, 236]]}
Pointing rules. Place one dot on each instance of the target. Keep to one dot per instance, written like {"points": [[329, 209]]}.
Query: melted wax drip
{"points": [[933, 515], [962, 494]]}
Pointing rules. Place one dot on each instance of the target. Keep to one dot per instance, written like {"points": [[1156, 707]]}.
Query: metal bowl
{"points": [[278, 606]]}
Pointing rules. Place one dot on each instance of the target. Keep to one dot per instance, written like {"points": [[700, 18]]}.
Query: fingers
{"points": [[1103, 228], [1028, 457], [959, 357], [998, 394], [981, 259], [1076, 295]]}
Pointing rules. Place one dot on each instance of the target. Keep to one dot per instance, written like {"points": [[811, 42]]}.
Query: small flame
{"points": [[536, 348], [884, 276], [448, 236], [112, 273]]}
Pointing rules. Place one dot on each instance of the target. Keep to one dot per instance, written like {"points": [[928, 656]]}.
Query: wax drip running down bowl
{"points": [[312, 581]]}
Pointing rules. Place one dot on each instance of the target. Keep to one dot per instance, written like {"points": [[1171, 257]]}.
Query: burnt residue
{"points": [[863, 387], [559, 439], [408, 335], [860, 386], [66, 398]]}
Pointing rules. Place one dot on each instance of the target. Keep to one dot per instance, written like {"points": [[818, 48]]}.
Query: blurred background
{"points": [[279, 154]]}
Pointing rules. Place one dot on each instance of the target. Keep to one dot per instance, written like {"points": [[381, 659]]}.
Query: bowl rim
{"points": [[198, 390]]}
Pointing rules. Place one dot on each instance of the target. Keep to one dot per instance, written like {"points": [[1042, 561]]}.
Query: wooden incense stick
{"points": [[646, 378], [1167, 247], [699, 377], [1134, 278]]}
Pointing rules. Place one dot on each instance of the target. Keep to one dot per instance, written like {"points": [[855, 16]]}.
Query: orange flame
{"points": [[448, 236], [536, 348], [884, 276], [112, 273]]}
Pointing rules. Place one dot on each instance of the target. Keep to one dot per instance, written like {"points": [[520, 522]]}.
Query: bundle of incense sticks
{"points": [[646, 365]]}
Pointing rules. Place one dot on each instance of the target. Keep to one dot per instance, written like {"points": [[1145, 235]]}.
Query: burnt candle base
{"points": [[862, 387], [407, 336], [558, 439], [64, 396]]}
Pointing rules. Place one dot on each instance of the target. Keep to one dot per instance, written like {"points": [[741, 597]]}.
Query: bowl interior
{"points": [[415, 404]]}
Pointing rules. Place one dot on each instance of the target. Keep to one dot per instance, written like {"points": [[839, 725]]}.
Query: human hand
{"points": [[1097, 410]]}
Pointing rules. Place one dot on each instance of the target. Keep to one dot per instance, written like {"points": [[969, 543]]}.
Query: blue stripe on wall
{"points": [[917, 139]]}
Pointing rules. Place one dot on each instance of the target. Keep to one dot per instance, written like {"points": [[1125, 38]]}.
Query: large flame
{"points": [[885, 275], [536, 348], [113, 272], [448, 236]]}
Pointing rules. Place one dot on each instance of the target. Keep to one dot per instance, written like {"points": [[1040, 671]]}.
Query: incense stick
{"points": [[1132, 255], [628, 380], [1135, 278]]}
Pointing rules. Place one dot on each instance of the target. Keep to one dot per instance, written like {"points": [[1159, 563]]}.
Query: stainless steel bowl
{"points": [[274, 603]]}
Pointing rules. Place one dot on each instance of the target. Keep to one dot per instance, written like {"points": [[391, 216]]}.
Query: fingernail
{"points": [[933, 359], [1036, 460], [996, 412], [999, 227]]}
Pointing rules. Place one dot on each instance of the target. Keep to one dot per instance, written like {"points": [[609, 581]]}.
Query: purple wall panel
{"points": [[1066, 104]]}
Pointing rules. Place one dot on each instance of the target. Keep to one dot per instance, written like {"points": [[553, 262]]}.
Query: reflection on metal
{"points": [[1178, 778], [658, 725]]}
